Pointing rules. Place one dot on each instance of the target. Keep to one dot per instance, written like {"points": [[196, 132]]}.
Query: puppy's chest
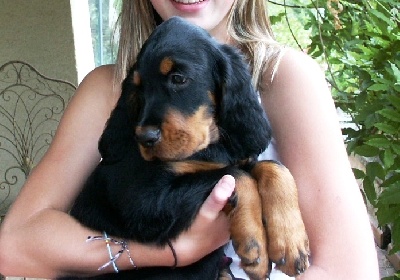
{"points": [[151, 187], [147, 184], [159, 203]]}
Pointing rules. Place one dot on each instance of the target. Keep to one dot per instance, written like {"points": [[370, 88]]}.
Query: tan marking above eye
{"points": [[166, 65], [136, 78]]}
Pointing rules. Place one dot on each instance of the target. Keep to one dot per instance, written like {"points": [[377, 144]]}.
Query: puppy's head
{"points": [[178, 92]]}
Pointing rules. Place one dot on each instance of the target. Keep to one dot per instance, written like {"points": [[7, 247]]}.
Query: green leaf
{"points": [[369, 190], [394, 277], [366, 151], [388, 158], [375, 170], [396, 148], [379, 87], [396, 72], [370, 121], [393, 179], [395, 100], [390, 114], [390, 195], [387, 128], [359, 174], [386, 214], [379, 142]]}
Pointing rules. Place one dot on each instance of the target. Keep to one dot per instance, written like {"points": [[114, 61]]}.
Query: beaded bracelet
{"points": [[124, 247], [113, 259]]}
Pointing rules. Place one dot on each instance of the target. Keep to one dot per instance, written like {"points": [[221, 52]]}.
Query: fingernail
{"points": [[227, 182], [224, 188]]}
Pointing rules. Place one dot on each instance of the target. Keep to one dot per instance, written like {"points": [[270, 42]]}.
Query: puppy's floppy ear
{"points": [[240, 113], [118, 139]]}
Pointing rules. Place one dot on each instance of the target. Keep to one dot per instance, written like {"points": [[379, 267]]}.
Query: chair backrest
{"points": [[31, 106]]}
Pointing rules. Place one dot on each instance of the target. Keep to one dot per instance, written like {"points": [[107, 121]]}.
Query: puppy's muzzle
{"points": [[148, 136]]}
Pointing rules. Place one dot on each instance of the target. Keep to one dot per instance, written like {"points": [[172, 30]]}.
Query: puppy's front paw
{"points": [[253, 256], [247, 230], [288, 246]]}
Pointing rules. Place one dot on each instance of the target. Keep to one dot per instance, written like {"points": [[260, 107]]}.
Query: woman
{"points": [[39, 238]]}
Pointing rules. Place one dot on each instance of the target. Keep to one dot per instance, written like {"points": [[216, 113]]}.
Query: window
{"points": [[103, 18]]}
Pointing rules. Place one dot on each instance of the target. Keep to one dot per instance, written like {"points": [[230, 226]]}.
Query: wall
{"points": [[54, 37], [40, 32]]}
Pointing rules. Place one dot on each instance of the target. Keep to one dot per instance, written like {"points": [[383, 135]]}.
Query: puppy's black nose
{"points": [[148, 136]]}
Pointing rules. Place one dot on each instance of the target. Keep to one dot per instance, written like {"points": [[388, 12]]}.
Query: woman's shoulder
{"points": [[297, 91], [293, 65], [295, 75], [100, 76], [106, 69], [99, 84], [296, 55], [92, 103]]}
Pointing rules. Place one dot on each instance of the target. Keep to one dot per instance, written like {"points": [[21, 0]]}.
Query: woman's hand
{"points": [[210, 230]]}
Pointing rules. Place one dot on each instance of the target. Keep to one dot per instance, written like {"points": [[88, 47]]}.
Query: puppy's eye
{"points": [[178, 79]]}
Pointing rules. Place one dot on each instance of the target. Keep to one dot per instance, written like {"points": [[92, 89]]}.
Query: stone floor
{"points": [[385, 267]]}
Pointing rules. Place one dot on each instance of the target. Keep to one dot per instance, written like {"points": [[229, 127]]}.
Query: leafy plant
{"points": [[359, 42], [394, 277]]}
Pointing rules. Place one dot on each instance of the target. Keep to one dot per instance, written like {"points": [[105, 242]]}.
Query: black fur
{"points": [[145, 201]]}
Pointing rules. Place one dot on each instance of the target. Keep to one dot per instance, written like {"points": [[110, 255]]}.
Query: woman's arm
{"points": [[39, 239], [37, 229], [310, 144]]}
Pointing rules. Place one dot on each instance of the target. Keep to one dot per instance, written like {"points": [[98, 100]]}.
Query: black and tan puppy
{"points": [[188, 115]]}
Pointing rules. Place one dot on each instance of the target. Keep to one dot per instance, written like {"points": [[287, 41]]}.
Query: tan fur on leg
{"points": [[247, 231], [288, 242]]}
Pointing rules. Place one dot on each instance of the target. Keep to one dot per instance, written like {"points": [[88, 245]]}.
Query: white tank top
{"points": [[238, 273]]}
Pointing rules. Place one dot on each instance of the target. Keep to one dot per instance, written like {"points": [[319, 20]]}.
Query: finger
{"points": [[218, 197]]}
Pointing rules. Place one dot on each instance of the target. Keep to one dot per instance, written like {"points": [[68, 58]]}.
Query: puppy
{"points": [[188, 115]]}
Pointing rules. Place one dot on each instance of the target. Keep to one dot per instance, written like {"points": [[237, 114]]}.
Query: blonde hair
{"points": [[248, 25]]}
